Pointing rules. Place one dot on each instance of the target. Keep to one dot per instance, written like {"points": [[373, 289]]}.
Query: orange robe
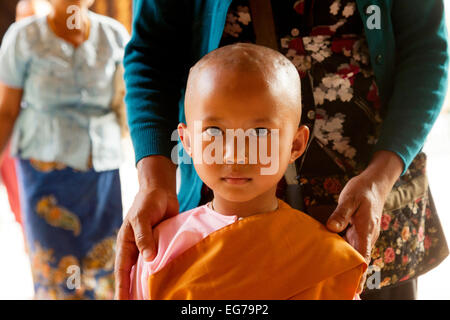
{"points": [[279, 255]]}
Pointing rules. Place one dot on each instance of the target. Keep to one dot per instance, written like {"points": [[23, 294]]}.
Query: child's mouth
{"points": [[236, 181]]}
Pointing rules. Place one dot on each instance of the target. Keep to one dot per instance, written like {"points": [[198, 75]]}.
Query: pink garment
{"points": [[174, 236]]}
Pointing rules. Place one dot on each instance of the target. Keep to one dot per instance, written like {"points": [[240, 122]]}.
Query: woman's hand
{"points": [[155, 201], [361, 204]]}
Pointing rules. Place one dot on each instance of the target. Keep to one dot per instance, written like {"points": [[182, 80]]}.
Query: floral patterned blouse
{"points": [[325, 40]]}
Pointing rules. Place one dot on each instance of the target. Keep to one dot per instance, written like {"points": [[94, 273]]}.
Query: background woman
{"points": [[56, 87], [8, 175]]}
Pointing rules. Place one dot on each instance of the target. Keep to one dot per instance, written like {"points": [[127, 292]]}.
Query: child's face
{"points": [[222, 100]]}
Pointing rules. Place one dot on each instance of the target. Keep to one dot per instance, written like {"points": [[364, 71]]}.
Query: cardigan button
{"points": [[311, 115], [379, 59]]}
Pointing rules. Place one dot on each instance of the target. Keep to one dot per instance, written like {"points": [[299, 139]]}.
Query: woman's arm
{"points": [[10, 99], [155, 67], [419, 89], [420, 82], [14, 61]]}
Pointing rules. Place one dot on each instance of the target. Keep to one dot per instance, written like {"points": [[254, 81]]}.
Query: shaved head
{"points": [[249, 68], [249, 91]]}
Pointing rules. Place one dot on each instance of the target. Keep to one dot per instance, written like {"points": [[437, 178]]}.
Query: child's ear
{"points": [[300, 142], [185, 138]]}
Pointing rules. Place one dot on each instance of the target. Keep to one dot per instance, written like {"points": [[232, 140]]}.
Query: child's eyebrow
{"points": [[255, 122], [264, 121], [212, 119], [268, 121]]}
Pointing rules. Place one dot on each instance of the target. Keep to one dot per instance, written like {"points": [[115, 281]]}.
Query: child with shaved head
{"points": [[243, 108]]}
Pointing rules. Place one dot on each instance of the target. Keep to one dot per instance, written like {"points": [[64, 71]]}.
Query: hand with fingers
{"points": [[153, 203], [361, 204]]}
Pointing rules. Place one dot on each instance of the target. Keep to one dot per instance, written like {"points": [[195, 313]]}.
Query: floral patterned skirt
{"points": [[411, 240], [71, 220]]}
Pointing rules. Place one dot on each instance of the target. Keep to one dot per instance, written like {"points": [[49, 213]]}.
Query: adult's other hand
{"points": [[361, 204]]}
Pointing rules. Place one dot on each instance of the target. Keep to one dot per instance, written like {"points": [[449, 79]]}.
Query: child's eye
{"points": [[213, 131], [259, 132]]}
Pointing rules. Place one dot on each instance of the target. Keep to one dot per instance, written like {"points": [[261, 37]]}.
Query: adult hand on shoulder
{"points": [[155, 201], [361, 204]]}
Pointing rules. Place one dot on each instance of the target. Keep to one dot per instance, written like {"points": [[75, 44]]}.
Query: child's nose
{"points": [[236, 151]]}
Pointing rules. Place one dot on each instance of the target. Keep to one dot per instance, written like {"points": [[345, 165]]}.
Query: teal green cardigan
{"points": [[409, 56]]}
